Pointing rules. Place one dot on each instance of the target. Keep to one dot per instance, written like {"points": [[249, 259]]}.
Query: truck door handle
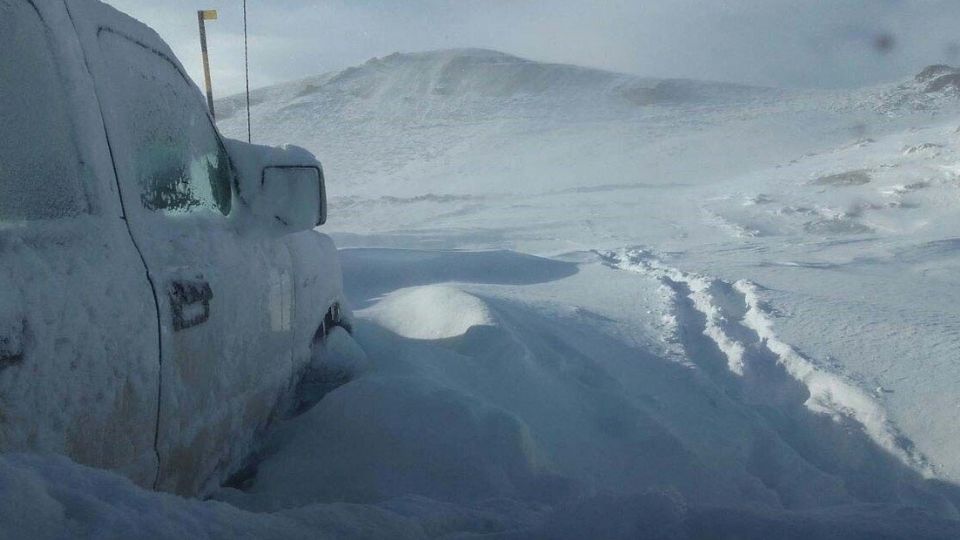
{"points": [[189, 302], [12, 338]]}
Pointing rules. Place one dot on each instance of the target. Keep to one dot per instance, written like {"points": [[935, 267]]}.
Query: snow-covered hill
{"points": [[459, 83], [398, 123]]}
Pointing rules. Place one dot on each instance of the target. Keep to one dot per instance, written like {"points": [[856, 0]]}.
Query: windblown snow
{"points": [[591, 305]]}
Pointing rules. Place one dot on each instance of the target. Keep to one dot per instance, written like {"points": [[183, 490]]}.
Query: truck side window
{"points": [[39, 163], [180, 163]]}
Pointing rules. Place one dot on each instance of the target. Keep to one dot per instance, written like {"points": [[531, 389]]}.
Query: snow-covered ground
{"points": [[590, 305]]}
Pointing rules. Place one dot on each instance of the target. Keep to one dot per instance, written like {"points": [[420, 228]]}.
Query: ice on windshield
{"points": [[181, 166]]}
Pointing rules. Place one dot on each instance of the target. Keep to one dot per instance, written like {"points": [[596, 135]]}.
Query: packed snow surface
{"points": [[590, 305]]}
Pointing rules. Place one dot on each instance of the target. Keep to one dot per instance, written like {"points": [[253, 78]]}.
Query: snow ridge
{"points": [[740, 323]]}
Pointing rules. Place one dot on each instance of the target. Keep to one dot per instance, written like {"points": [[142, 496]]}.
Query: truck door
{"points": [[225, 297], [79, 357]]}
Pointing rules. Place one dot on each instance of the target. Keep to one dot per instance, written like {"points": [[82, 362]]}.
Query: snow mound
{"points": [[378, 272], [431, 312]]}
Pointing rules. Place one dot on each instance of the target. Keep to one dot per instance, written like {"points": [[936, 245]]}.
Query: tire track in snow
{"points": [[761, 368]]}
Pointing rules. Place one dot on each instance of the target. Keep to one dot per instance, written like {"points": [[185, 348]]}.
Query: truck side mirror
{"points": [[294, 196]]}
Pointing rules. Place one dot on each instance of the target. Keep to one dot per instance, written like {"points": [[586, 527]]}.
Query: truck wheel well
{"points": [[333, 317]]}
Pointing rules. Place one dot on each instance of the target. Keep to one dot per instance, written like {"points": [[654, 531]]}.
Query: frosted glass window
{"points": [[180, 165], [39, 164]]}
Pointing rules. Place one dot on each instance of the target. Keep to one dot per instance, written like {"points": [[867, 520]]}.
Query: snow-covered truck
{"points": [[161, 288]]}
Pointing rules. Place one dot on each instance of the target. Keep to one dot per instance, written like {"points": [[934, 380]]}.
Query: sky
{"points": [[783, 43]]}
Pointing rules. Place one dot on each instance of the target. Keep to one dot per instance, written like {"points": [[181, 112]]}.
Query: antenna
{"points": [[246, 67]]}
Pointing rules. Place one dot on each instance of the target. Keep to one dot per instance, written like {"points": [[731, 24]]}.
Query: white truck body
{"points": [[160, 287]]}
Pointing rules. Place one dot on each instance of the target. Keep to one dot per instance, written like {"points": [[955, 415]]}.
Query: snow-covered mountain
{"points": [[398, 126], [457, 82], [385, 123]]}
